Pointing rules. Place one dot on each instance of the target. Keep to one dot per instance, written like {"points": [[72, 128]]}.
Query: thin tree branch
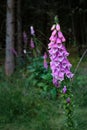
{"points": [[78, 65], [80, 61]]}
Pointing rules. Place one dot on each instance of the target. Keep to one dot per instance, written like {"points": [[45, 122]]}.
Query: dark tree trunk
{"points": [[19, 28], [9, 60]]}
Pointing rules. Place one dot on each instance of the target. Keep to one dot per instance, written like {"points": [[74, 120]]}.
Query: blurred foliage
{"points": [[28, 99], [40, 77]]}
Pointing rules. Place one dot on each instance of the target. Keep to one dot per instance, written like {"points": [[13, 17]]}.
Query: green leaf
{"points": [[53, 92], [40, 84]]}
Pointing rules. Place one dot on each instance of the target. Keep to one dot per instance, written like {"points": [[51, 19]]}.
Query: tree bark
{"points": [[10, 38], [19, 28]]}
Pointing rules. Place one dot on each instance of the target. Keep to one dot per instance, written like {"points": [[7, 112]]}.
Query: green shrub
{"points": [[41, 78]]}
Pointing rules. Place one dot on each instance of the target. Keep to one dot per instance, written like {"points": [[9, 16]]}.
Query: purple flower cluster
{"points": [[32, 43], [32, 32], [59, 63], [25, 37]]}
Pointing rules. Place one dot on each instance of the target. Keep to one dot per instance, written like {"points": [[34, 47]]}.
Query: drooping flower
{"points": [[45, 64], [57, 27], [32, 30], [25, 37], [60, 35], [53, 27], [64, 89], [59, 63], [45, 60], [24, 51], [68, 100], [55, 82], [45, 55], [32, 43]]}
